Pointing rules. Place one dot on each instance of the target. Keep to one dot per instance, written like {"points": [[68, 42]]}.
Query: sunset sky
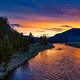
{"points": [[40, 17]]}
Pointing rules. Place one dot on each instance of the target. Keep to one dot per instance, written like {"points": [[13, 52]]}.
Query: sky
{"points": [[41, 17]]}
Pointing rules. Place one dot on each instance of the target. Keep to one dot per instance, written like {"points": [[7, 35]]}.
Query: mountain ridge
{"points": [[73, 35]]}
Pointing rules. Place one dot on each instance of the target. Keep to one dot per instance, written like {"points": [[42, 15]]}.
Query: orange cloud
{"points": [[45, 25]]}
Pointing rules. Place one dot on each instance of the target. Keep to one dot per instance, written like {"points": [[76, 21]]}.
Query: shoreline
{"points": [[10, 70], [76, 45]]}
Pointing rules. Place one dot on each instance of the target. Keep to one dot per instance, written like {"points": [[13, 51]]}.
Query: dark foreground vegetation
{"points": [[10, 40], [77, 45], [51, 40], [43, 40], [15, 48]]}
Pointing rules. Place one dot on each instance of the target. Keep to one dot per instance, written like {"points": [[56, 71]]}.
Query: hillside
{"points": [[5, 28], [73, 35]]}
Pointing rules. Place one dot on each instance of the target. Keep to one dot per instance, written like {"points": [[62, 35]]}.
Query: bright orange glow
{"points": [[44, 26]]}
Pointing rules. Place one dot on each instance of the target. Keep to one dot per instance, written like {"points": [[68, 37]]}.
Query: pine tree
{"points": [[31, 38], [61, 40], [6, 20], [26, 45], [44, 40], [41, 40], [50, 40], [66, 40], [6, 49], [15, 40], [1, 52], [21, 40]]}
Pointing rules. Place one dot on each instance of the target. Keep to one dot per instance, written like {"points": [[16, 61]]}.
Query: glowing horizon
{"points": [[41, 17]]}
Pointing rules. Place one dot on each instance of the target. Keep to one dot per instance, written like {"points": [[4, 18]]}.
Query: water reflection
{"points": [[51, 64]]}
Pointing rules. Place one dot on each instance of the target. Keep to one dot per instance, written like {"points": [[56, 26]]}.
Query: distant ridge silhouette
{"points": [[73, 35]]}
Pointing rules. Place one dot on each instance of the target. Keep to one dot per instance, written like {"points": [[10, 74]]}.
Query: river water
{"points": [[51, 64]]}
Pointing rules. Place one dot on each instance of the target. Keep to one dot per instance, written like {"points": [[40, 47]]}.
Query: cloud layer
{"points": [[45, 16]]}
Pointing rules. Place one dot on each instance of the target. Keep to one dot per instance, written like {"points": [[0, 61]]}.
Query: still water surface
{"points": [[51, 64]]}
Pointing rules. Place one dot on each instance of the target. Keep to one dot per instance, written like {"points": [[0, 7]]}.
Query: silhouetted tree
{"points": [[6, 50], [61, 40], [26, 45], [16, 38], [41, 40], [31, 38], [66, 40], [21, 40], [53, 41], [3, 18], [44, 40], [6, 20], [50, 40]]}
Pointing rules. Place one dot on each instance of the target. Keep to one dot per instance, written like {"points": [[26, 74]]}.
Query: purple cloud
{"points": [[66, 26], [70, 12], [57, 29], [15, 25]]}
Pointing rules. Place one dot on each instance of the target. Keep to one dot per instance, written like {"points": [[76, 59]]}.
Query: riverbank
{"points": [[19, 58], [77, 45]]}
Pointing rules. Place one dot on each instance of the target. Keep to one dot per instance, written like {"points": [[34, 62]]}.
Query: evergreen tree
{"points": [[61, 40], [53, 41], [1, 52], [26, 45], [41, 40], [21, 40], [44, 40], [6, 20], [31, 39], [66, 40], [15, 40], [50, 40], [6, 49]]}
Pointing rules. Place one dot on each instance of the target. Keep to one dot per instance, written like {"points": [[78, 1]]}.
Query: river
{"points": [[51, 64]]}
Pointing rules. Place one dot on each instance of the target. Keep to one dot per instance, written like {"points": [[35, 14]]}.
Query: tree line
{"points": [[43, 40], [14, 41], [56, 41], [11, 41]]}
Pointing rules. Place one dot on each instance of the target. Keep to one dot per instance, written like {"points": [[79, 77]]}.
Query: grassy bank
{"points": [[20, 57], [77, 45]]}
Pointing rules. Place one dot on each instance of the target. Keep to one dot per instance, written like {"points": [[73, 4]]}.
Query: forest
{"points": [[11, 40]]}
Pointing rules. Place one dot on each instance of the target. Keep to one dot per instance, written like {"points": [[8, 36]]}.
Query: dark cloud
{"points": [[56, 29], [66, 26], [15, 25]]}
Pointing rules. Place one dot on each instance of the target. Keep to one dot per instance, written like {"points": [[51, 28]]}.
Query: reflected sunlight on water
{"points": [[51, 64]]}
